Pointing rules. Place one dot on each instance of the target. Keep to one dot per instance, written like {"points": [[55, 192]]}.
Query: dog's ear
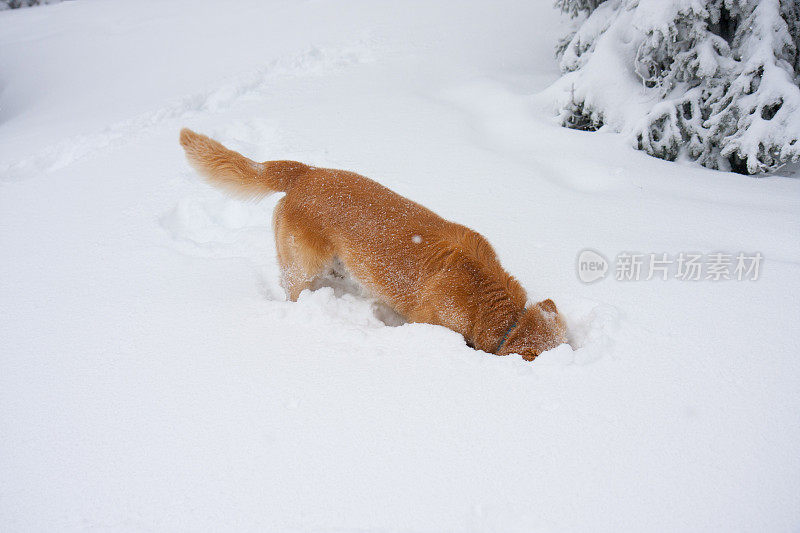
{"points": [[548, 306]]}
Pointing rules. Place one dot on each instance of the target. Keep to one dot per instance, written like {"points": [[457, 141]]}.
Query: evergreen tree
{"points": [[716, 81]]}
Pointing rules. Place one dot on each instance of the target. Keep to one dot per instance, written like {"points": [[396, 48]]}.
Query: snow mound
{"points": [[313, 62]]}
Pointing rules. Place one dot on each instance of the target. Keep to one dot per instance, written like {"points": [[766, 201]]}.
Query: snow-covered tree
{"points": [[16, 4], [716, 81]]}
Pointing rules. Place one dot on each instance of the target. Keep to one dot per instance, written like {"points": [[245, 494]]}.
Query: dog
{"points": [[426, 268]]}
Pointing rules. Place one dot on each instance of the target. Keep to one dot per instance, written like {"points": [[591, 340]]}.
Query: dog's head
{"points": [[540, 328]]}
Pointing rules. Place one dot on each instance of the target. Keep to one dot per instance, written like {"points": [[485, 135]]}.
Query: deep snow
{"points": [[154, 378]]}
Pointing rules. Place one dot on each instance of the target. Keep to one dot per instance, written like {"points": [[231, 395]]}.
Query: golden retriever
{"points": [[424, 267]]}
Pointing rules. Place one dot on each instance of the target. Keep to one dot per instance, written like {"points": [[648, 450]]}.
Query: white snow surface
{"points": [[153, 377]]}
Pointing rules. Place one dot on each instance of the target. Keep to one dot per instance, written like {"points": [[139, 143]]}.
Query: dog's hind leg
{"points": [[303, 252]]}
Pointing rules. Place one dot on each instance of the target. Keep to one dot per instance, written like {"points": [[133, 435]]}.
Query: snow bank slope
{"points": [[153, 377]]}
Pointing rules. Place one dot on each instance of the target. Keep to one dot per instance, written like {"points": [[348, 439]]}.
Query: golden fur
{"points": [[426, 268]]}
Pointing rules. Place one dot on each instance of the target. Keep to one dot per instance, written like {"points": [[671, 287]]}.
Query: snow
{"points": [[153, 376]]}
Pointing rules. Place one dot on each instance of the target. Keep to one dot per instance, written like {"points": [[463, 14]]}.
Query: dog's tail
{"points": [[234, 172]]}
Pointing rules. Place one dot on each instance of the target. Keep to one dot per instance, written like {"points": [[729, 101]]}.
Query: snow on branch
{"points": [[714, 81]]}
